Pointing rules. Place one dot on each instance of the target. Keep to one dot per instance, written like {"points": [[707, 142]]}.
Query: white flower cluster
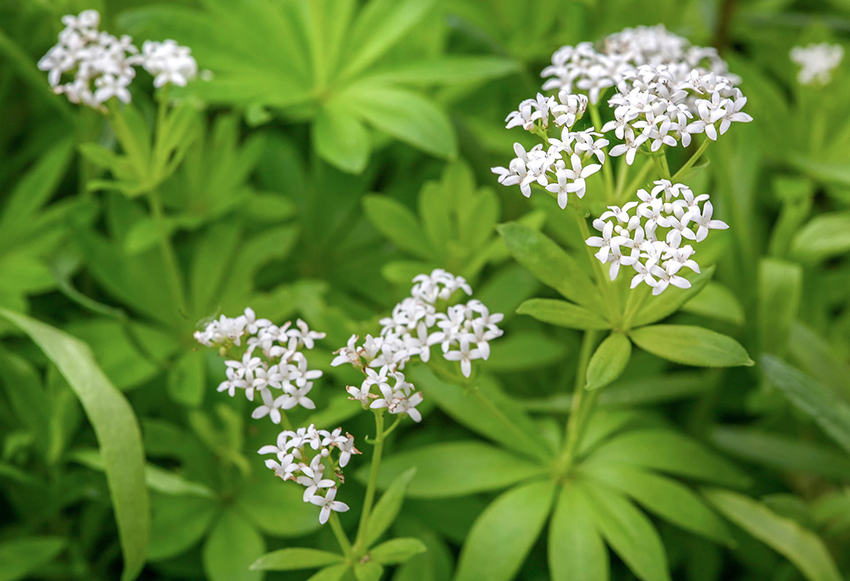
{"points": [[562, 166], [271, 360], [420, 321], [817, 62], [650, 241], [102, 64], [665, 91], [304, 455]]}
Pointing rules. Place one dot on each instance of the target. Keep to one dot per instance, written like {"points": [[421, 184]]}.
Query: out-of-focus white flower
{"points": [[168, 62], [817, 61]]}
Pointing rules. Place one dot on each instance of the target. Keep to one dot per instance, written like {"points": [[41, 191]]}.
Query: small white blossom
{"points": [[328, 504], [817, 61]]}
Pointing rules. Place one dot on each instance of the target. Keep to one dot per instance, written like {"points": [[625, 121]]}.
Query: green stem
{"points": [[607, 174], [393, 426], [602, 280], [622, 172], [637, 298], [583, 402], [690, 163], [340, 535], [372, 486]]}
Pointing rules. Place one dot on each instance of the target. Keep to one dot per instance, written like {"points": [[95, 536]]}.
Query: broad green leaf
{"points": [[117, 432], [782, 452], [670, 301], [397, 551], [24, 555], [629, 532], [608, 361], [668, 451], [187, 379], [340, 139], [551, 265], [387, 508], [178, 524], [691, 346], [576, 549], [378, 27], [231, 547], [485, 409], [447, 69], [563, 314], [524, 351], [665, 497], [716, 302], [457, 469], [780, 290], [800, 546], [823, 237], [395, 221], [332, 573], [296, 558], [403, 114], [277, 510], [829, 410], [503, 535]]}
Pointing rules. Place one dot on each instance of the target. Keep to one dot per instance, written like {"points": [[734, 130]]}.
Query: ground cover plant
{"points": [[424, 290]]}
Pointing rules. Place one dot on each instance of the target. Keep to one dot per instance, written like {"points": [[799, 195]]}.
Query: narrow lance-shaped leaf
{"points": [[800, 546], [563, 314], [117, 432], [397, 551], [608, 361], [691, 346], [395, 221], [670, 301], [296, 558], [387, 508], [21, 556], [576, 549], [340, 139], [503, 535]]}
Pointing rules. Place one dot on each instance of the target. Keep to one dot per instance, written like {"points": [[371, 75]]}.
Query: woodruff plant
{"points": [[264, 358]]}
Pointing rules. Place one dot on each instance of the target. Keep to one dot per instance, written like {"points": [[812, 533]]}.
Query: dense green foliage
{"points": [[331, 151]]}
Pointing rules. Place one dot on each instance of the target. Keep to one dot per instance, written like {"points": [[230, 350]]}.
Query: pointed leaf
{"points": [[296, 558], [395, 221], [576, 549], [667, 303], [608, 361], [397, 551], [503, 535], [340, 139], [24, 555], [387, 508], [690, 345], [563, 314]]}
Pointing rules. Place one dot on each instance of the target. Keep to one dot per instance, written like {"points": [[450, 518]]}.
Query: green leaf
{"points": [[21, 556], [503, 535], [576, 549], [276, 510], [457, 469], [716, 302], [551, 265], [187, 380], [403, 114], [830, 411], [671, 300], [368, 571], [524, 351], [332, 573], [782, 452], [800, 546], [395, 221], [665, 497], [387, 508], [117, 432], [297, 558], [608, 361], [379, 26], [629, 532], [780, 291], [178, 524], [230, 549], [668, 451], [823, 237], [397, 551], [563, 314], [486, 410], [447, 69], [26, 395], [691, 346], [340, 139]]}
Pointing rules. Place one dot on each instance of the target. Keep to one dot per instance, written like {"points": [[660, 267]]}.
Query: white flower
{"points": [[817, 62], [302, 335], [328, 504], [284, 468], [706, 223], [313, 479], [465, 355], [168, 62], [297, 396], [271, 407]]}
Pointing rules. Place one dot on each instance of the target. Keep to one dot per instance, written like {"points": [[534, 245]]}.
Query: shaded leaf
{"points": [[576, 549]]}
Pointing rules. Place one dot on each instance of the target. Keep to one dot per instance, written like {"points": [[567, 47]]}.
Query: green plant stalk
{"points": [[582, 404], [340, 535], [372, 486], [634, 305], [607, 174], [601, 279], [690, 163]]}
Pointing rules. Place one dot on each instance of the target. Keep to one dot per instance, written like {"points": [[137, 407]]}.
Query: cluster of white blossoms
{"points": [[650, 240], [665, 91], [264, 358], [817, 62], [306, 456], [423, 319], [97, 66]]}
